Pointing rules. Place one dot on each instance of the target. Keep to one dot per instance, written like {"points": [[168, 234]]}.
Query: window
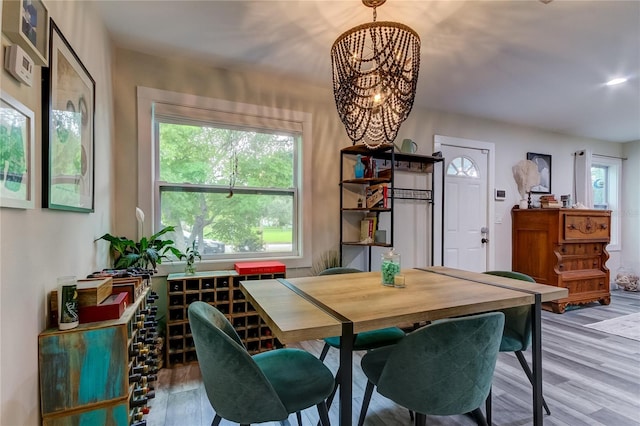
{"points": [[229, 177], [463, 167], [605, 181]]}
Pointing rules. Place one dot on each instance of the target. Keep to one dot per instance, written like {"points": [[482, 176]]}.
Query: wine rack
{"points": [[222, 290], [102, 371]]}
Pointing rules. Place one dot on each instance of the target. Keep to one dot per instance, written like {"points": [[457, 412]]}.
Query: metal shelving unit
{"points": [[394, 162]]}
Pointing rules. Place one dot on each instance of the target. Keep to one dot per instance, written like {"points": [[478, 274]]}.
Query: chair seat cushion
{"points": [[299, 378], [512, 341], [373, 339]]}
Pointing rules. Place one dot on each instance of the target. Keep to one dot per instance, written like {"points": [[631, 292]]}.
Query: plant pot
{"points": [[190, 269]]}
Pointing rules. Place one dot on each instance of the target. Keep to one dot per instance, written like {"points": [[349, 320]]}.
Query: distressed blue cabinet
{"points": [[84, 372]]}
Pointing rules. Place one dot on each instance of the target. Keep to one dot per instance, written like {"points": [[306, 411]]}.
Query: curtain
{"points": [[582, 178]]}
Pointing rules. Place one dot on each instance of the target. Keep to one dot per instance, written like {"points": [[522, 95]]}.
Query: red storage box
{"points": [[111, 308], [264, 267]]}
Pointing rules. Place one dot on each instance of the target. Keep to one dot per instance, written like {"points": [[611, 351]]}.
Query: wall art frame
{"points": [[543, 161], [68, 117], [26, 23], [17, 156]]}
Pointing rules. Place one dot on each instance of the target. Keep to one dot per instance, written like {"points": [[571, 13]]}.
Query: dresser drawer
{"points": [[588, 283], [589, 249], [579, 263], [581, 227]]}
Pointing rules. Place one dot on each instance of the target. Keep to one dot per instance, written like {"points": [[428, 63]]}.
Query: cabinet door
{"points": [[83, 367]]}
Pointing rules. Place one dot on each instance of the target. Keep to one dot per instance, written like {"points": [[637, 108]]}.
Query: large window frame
{"points": [[613, 195], [197, 109]]}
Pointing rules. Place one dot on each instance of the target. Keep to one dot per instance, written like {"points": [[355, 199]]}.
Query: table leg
{"points": [[346, 373], [536, 355]]}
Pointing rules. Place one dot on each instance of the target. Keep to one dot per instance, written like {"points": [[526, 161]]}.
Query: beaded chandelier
{"points": [[375, 74]]}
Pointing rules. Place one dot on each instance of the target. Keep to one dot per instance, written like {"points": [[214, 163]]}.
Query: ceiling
{"points": [[517, 61]]}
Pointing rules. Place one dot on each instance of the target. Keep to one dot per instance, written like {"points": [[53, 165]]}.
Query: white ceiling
{"points": [[517, 61]]}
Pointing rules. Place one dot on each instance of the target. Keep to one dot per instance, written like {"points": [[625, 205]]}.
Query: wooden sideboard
{"points": [[565, 248]]}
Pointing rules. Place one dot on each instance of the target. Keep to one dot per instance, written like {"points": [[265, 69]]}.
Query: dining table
{"points": [[316, 307]]}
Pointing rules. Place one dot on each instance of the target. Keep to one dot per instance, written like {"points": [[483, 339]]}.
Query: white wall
{"points": [[38, 245]]}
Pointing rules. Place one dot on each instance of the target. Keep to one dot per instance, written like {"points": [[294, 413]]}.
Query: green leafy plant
{"points": [[190, 255], [146, 253]]}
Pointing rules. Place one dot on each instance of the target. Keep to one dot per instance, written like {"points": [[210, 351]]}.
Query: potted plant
{"points": [[190, 255], [146, 253]]}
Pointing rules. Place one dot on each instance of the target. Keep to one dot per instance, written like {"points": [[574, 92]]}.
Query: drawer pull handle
{"points": [[603, 226]]}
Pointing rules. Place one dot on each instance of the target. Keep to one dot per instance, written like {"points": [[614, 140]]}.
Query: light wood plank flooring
{"points": [[590, 378]]}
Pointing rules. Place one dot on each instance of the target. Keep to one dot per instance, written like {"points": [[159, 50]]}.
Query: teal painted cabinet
{"points": [[85, 373]]}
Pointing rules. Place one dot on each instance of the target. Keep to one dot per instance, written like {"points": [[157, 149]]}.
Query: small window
{"points": [[463, 167], [606, 175]]}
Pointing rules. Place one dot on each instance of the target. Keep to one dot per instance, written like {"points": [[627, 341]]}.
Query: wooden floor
{"points": [[590, 378]]}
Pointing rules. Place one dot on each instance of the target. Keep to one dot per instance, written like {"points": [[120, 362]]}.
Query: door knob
{"points": [[484, 240]]}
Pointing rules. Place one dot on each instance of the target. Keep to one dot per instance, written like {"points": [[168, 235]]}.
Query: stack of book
{"points": [[549, 202], [368, 227]]}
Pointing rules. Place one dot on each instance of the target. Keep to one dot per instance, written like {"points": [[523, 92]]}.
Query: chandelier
{"points": [[375, 73]]}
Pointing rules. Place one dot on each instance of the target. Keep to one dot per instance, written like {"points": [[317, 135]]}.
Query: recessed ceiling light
{"points": [[616, 81]]}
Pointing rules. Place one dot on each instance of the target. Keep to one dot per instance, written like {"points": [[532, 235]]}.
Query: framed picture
{"points": [[17, 159], [543, 161], [68, 105], [26, 23]]}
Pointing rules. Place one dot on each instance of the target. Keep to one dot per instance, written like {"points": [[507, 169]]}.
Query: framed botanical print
{"points": [[543, 161], [16, 154], [68, 93]]}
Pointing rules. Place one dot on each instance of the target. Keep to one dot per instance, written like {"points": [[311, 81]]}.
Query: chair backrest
{"points": [[444, 368], [237, 389], [517, 319], [339, 270]]}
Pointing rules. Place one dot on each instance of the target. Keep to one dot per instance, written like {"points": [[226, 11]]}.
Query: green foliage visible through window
{"points": [[232, 190]]}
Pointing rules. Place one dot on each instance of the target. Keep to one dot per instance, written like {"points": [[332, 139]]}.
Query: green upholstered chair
{"points": [[364, 341], [255, 389], [442, 369], [517, 332]]}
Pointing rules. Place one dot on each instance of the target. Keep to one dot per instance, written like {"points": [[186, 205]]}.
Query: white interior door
{"points": [[466, 204]]}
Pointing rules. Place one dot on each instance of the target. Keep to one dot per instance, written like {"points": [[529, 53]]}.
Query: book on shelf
{"points": [[378, 196], [368, 227]]}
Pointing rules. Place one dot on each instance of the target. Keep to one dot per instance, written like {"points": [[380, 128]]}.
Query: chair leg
{"points": [[487, 410], [299, 417], [421, 419], [323, 412], [527, 371], [216, 420], [335, 388], [368, 391], [323, 354], [479, 417]]}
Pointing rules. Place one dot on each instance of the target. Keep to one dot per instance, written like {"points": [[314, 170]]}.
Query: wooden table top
{"points": [[430, 294]]}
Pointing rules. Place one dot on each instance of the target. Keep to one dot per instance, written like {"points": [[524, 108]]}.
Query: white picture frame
{"points": [[17, 157]]}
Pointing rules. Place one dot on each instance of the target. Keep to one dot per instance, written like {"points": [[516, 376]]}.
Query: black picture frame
{"points": [[68, 117], [543, 161]]}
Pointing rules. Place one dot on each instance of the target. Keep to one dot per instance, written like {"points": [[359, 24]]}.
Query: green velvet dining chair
{"points": [[364, 341], [516, 336], [442, 369], [265, 387]]}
